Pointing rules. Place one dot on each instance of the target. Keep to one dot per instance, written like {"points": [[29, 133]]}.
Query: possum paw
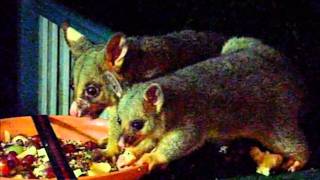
{"points": [[292, 165], [152, 160], [295, 166]]}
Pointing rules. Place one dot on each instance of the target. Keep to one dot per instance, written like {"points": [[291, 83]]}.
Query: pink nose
{"points": [[74, 109]]}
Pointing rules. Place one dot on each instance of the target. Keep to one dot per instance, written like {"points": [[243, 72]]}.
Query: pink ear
{"points": [[115, 50], [151, 94], [153, 98]]}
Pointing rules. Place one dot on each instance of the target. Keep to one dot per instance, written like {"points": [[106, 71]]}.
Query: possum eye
{"points": [[137, 124], [92, 91], [71, 85], [119, 121]]}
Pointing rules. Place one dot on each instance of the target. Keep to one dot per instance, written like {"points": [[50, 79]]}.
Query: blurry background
{"points": [[35, 61]]}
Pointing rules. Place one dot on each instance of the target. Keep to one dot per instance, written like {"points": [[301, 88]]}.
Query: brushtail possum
{"points": [[248, 92], [129, 60]]}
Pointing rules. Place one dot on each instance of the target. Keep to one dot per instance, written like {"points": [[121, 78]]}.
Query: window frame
{"points": [[28, 88]]}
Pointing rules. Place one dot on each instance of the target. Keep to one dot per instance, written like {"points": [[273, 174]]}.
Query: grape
{"points": [[3, 157], [4, 168], [90, 145], [69, 148], [12, 160], [28, 160], [96, 154], [49, 173], [36, 141], [11, 164], [12, 153]]}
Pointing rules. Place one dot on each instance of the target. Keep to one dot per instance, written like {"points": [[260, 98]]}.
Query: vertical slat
{"points": [[43, 68], [70, 75], [64, 71], [71, 79], [52, 67]]}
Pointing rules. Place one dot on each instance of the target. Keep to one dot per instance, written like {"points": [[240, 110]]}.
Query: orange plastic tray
{"points": [[67, 127]]}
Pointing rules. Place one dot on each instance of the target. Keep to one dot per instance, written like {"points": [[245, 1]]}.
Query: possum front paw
{"points": [[292, 165], [112, 151], [152, 160], [295, 166]]}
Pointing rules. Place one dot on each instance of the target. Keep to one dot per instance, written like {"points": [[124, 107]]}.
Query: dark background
{"points": [[290, 26]]}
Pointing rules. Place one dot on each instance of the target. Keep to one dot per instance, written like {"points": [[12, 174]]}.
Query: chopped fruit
{"points": [[19, 176], [100, 168], [16, 148], [32, 150], [125, 159], [7, 137], [265, 160], [42, 152], [19, 138], [92, 173], [78, 172], [39, 171], [24, 157]]}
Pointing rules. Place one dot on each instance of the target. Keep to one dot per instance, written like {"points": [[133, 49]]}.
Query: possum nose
{"points": [[74, 110], [128, 140], [78, 108]]}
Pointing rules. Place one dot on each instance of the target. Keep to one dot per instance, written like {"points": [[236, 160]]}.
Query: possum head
{"points": [[140, 113], [94, 79]]}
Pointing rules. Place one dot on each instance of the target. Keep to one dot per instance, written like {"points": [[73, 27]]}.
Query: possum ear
{"points": [[115, 51], [153, 98], [76, 41]]}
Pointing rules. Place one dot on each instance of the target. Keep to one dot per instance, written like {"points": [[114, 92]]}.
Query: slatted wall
{"points": [[54, 70]]}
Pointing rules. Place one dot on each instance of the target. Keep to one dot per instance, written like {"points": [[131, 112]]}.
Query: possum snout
{"points": [[78, 108], [127, 140]]}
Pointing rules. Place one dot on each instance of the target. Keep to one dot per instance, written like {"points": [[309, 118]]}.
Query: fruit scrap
{"points": [[78, 172], [125, 159], [265, 160], [16, 148], [99, 168], [19, 138], [32, 150], [7, 137]]}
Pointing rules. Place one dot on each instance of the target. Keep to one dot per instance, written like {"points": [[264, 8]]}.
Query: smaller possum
{"points": [[248, 92], [100, 70]]}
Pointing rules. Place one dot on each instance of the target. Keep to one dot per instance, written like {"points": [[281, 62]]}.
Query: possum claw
{"points": [[152, 160], [295, 166]]}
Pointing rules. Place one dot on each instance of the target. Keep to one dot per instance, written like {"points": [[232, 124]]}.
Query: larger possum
{"points": [[128, 60], [247, 92]]}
